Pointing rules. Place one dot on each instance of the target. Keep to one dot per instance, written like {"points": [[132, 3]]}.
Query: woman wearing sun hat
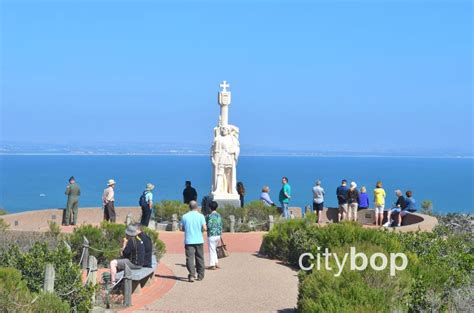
{"points": [[108, 200]]}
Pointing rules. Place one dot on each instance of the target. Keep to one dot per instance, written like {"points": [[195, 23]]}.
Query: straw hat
{"points": [[353, 185], [131, 230], [150, 186], [111, 182]]}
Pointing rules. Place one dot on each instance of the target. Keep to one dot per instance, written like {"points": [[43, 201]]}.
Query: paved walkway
{"points": [[246, 282]]}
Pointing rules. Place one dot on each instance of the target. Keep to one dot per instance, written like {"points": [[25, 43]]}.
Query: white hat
{"points": [[111, 182], [353, 184], [150, 186]]}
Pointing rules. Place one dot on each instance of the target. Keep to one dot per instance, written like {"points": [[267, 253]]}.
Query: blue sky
{"points": [[354, 75]]}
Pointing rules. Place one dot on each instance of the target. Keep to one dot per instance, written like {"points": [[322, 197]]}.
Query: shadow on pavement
{"points": [[172, 277]]}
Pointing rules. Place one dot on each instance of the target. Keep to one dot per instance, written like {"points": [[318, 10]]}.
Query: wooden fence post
{"points": [[85, 256], [270, 222], [127, 286], [232, 223], [174, 222], [92, 277], [49, 275]]}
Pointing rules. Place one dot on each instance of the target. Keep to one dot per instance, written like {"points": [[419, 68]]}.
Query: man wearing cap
{"points": [[193, 224], [146, 203], [108, 200], [73, 192], [133, 253]]}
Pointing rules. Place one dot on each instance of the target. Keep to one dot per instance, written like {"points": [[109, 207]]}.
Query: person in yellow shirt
{"points": [[379, 203]]}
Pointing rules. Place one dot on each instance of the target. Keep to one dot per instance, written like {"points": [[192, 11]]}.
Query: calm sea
{"points": [[38, 182]]}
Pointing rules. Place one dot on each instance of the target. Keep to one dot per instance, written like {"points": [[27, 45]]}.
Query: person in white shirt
{"points": [[108, 201], [318, 199]]}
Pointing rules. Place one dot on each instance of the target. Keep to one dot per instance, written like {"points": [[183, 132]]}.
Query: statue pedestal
{"points": [[226, 200]]}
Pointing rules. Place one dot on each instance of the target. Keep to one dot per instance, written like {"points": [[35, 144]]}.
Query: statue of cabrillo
{"points": [[225, 154]]}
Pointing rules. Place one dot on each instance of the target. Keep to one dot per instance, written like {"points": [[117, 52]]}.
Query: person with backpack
{"points": [[146, 203]]}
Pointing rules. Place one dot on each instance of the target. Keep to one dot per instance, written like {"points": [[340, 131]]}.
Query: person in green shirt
{"points": [[73, 192], [285, 196]]}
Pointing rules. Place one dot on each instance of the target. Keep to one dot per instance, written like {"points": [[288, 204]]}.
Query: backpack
{"points": [[142, 202]]}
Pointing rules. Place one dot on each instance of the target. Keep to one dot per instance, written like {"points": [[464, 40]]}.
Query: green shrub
{"points": [[3, 225], [113, 235], [3, 212], [258, 211], [352, 291], [105, 241], [14, 294], [96, 240], [32, 264], [165, 209], [427, 207], [54, 229], [439, 266], [50, 303]]}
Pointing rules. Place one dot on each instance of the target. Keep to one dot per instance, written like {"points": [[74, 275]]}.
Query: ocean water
{"points": [[33, 182]]}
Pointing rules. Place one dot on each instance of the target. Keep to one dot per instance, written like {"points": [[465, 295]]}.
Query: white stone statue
{"points": [[225, 154]]}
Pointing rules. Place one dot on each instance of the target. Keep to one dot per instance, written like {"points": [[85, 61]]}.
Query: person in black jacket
{"points": [[189, 193], [133, 253], [148, 245]]}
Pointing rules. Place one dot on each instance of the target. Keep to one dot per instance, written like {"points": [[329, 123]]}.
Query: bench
{"points": [[137, 278]]}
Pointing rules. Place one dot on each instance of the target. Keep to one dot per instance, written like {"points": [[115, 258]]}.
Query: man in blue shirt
{"points": [[193, 224], [146, 203]]}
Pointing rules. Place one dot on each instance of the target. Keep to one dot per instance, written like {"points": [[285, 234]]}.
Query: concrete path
{"points": [[246, 282]]}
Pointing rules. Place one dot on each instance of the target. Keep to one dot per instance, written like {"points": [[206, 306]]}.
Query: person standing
{"points": [[285, 196], [363, 199], [318, 199], [108, 200], [379, 203], [146, 203], [73, 191], [193, 224], [189, 193], [214, 233], [353, 202], [241, 192], [341, 193]]}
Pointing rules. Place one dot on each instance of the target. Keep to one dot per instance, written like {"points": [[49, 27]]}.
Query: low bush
{"points": [[3, 225], [253, 216], [439, 266], [165, 209], [68, 285], [105, 241], [16, 297]]}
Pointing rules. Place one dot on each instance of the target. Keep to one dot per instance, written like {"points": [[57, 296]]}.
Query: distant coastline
{"points": [[296, 154]]}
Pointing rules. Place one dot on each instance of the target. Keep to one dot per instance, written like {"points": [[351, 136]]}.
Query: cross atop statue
{"points": [[224, 86]]}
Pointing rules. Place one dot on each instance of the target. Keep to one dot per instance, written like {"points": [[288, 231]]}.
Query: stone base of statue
{"points": [[227, 200]]}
